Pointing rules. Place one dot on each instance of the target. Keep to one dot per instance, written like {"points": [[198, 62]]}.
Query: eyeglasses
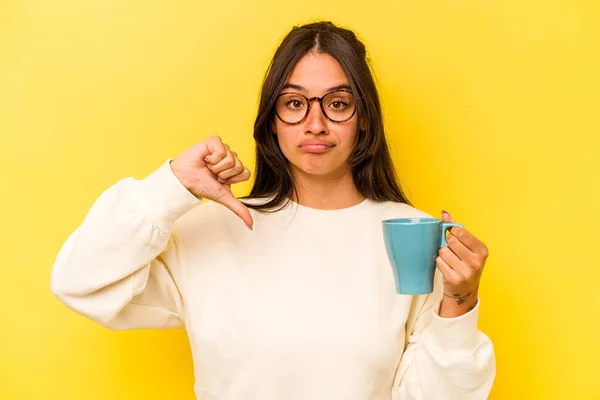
{"points": [[293, 108]]}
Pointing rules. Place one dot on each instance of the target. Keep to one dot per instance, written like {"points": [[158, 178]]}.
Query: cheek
{"points": [[287, 140], [348, 137], [288, 137]]}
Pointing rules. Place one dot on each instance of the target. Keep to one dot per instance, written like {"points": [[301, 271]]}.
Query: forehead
{"points": [[317, 73]]}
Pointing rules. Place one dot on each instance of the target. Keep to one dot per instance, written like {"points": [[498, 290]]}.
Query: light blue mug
{"points": [[412, 245]]}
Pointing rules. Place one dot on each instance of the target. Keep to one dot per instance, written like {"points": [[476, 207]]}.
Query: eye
{"points": [[295, 104], [338, 104], [292, 101]]}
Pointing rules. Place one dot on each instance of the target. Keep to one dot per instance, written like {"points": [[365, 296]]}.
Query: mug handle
{"points": [[445, 227]]}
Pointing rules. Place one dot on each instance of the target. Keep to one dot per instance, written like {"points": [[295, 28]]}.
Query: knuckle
{"points": [[462, 277], [485, 252], [480, 263], [473, 260], [229, 162], [459, 232], [230, 180], [451, 239], [453, 281], [241, 208]]}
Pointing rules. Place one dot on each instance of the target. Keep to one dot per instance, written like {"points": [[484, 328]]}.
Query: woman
{"points": [[302, 304]]}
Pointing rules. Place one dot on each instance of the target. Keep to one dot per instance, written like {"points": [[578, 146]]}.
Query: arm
{"points": [[118, 267], [445, 358]]}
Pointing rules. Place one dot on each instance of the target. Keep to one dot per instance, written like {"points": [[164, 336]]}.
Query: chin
{"points": [[323, 170]]}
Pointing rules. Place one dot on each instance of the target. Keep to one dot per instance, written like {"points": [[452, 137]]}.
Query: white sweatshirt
{"points": [[302, 308]]}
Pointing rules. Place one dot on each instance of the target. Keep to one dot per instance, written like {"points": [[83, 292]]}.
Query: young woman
{"points": [[301, 304]]}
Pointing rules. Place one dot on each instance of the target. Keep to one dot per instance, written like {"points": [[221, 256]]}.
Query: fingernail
{"points": [[445, 212], [249, 227]]}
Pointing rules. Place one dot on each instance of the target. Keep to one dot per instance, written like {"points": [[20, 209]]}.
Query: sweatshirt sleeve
{"points": [[119, 267], [445, 358]]}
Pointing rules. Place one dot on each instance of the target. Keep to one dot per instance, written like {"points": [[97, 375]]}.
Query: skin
{"points": [[324, 180], [461, 263]]}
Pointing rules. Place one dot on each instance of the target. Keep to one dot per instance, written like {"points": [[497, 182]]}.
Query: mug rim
{"points": [[412, 221]]}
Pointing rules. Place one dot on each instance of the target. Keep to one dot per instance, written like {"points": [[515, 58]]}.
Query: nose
{"points": [[316, 121]]}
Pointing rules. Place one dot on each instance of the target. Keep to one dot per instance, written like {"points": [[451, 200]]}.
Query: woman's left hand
{"points": [[461, 264]]}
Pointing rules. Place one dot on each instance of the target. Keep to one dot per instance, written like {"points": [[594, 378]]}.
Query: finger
{"points": [[458, 248], [241, 177], [224, 164], [469, 240], [217, 150], [450, 276], [446, 217], [452, 260], [228, 187], [228, 200], [237, 169]]}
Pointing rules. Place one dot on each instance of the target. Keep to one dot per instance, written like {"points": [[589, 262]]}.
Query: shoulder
{"points": [[392, 209]]}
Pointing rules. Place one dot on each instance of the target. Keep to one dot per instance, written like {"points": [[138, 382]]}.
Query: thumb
{"points": [[446, 217], [239, 208]]}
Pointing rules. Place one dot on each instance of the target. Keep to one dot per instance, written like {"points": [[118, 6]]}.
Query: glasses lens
{"points": [[291, 107], [339, 106]]}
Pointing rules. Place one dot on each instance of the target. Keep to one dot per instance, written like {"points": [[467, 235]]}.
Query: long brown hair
{"points": [[370, 162]]}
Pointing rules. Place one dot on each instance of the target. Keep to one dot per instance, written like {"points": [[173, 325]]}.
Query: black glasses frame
{"points": [[320, 100]]}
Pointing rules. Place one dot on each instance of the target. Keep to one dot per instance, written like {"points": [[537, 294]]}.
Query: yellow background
{"points": [[492, 113]]}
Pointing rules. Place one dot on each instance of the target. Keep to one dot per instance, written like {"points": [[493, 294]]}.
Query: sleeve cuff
{"points": [[164, 197], [455, 337]]}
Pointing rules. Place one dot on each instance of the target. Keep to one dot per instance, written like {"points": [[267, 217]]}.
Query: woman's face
{"points": [[317, 146]]}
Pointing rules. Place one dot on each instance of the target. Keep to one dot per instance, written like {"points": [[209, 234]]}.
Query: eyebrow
{"points": [[302, 89]]}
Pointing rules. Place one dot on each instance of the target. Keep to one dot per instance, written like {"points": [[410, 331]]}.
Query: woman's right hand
{"points": [[207, 170]]}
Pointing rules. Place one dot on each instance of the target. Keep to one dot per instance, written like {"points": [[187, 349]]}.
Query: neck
{"points": [[327, 192]]}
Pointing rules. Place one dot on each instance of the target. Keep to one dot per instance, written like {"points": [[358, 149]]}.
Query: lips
{"points": [[316, 147]]}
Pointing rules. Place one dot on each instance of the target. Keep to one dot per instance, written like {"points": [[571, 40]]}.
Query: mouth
{"points": [[316, 147]]}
